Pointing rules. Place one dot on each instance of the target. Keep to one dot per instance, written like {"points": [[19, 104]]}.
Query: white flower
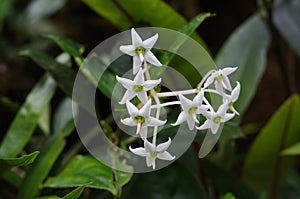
{"points": [[220, 78], [151, 152], [214, 119], [233, 97], [141, 118], [140, 50], [138, 87], [190, 109]]}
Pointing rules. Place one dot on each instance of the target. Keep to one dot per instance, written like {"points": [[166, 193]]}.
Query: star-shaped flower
{"points": [[141, 118], [140, 50], [233, 97], [214, 119], [138, 87], [190, 109], [220, 78], [151, 152]]}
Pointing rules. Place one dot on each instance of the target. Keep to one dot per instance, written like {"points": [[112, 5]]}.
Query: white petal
{"points": [[165, 156], [202, 109], [128, 49], [149, 84], [136, 64], [138, 128], [214, 127], [226, 83], [139, 78], [136, 39], [143, 132], [163, 146], [181, 118], [150, 57], [126, 83], [138, 151], [128, 121], [145, 110], [149, 43], [186, 104], [219, 87], [128, 95], [141, 56], [197, 101], [142, 95], [228, 70], [206, 125], [152, 121], [236, 92], [149, 146], [222, 109], [150, 161], [227, 116], [191, 122], [132, 110], [209, 81]]}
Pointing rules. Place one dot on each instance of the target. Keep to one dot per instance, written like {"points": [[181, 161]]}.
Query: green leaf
{"points": [[264, 167], [38, 9], [48, 197], [62, 74], [286, 17], [172, 182], [24, 123], [126, 13], [246, 48], [6, 163], [84, 170], [187, 30], [75, 193], [38, 171], [4, 9], [292, 150], [44, 121], [63, 121], [67, 45]]}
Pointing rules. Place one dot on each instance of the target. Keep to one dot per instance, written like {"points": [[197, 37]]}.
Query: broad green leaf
{"points": [[6, 163], [63, 121], [286, 17], [246, 48], [24, 123], [72, 195], [292, 150], [5, 6], [127, 13], [75, 193], [11, 178], [40, 169], [62, 74], [224, 182], [38, 9], [187, 30], [84, 170], [263, 165], [67, 45], [44, 121], [172, 182]]}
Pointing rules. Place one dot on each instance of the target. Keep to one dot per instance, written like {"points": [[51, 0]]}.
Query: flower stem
{"points": [[175, 93], [157, 101], [204, 79], [166, 104]]}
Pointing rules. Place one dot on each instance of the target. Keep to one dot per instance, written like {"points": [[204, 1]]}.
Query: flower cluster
{"points": [[215, 82]]}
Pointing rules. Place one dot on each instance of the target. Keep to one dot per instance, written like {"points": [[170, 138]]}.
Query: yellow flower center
{"points": [[217, 119], [193, 110], [153, 154], [138, 88], [139, 119], [219, 78], [140, 50]]}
